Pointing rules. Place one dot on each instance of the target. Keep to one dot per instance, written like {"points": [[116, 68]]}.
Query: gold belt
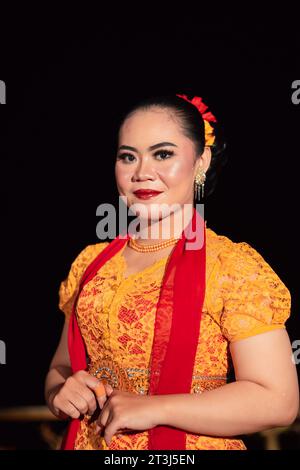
{"points": [[136, 380], [130, 379]]}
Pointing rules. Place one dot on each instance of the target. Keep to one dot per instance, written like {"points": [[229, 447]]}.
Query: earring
{"points": [[199, 184]]}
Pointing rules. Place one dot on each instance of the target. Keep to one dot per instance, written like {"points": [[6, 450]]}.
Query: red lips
{"points": [[146, 193]]}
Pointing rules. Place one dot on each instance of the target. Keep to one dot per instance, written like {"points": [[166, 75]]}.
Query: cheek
{"points": [[123, 177], [178, 173]]}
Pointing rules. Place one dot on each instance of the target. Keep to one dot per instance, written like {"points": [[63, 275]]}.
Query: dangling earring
{"points": [[199, 184]]}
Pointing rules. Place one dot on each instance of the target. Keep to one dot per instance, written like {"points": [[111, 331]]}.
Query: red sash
{"points": [[176, 331]]}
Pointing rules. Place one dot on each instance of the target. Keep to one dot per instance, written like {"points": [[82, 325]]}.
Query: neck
{"points": [[172, 226]]}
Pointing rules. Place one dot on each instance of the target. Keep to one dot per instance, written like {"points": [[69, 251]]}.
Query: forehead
{"points": [[150, 126]]}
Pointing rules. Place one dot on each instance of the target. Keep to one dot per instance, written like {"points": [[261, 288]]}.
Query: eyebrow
{"points": [[152, 147]]}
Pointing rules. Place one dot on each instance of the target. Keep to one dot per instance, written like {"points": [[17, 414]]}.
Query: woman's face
{"points": [[170, 167]]}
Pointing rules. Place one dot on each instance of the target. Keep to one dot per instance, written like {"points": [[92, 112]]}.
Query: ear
{"points": [[204, 160]]}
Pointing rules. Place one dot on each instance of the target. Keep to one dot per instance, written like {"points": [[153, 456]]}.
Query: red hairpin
{"points": [[197, 101]]}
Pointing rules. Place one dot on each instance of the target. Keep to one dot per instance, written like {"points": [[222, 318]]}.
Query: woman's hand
{"points": [[79, 395], [128, 411]]}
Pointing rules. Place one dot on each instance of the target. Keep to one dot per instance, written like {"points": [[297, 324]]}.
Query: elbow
{"points": [[289, 417], [289, 410]]}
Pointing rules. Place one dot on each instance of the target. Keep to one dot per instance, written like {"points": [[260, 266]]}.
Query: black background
{"points": [[68, 76]]}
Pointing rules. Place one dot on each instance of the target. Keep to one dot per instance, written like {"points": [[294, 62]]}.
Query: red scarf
{"points": [[176, 332]]}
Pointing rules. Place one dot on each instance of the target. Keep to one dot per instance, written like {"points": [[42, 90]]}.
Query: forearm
{"points": [[240, 407], [55, 379]]}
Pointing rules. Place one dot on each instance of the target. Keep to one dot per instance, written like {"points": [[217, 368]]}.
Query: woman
{"points": [[154, 331]]}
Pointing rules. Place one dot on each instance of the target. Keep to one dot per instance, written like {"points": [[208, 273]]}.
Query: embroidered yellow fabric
{"points": [[243, 297]]}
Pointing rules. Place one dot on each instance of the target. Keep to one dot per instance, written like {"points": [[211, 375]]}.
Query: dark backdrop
{"points": [[67, 81]]}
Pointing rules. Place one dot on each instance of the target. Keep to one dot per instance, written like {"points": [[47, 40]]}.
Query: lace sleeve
{"points": [[255, 300], [69, 286]]}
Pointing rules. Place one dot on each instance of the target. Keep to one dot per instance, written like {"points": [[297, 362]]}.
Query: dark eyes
{"points": [[166, 154]]}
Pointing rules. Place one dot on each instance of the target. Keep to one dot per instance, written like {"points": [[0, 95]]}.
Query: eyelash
{"points": [[168, 152]]}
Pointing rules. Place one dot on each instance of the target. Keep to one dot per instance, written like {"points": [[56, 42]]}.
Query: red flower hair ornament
{"points": [[207, 117]]}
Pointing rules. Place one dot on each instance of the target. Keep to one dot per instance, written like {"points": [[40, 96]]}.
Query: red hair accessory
{"points": [[207, 116]]}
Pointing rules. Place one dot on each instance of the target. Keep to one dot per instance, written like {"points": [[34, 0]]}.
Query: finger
{"points": [[77, 393], [110, 430], [64, 407], [100, 392], [87, 379], [104, 415], [102, 399], [82, 389], [69, 409], [79, 402], [99, 428], [90, 399], [109, 389]]}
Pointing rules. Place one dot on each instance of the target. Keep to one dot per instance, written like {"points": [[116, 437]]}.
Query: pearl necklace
{"points": [[150, 248]]}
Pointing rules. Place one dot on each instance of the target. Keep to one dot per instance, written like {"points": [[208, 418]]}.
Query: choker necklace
{"points": [[150, 248]]}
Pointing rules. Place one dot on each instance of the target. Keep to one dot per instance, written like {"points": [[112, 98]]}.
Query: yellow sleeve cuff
{"points": [[257, 331]]}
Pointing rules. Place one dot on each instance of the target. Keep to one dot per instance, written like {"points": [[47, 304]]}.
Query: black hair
{"points": [[192, 125]]}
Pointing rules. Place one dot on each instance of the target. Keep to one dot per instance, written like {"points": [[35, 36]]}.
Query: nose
{"points": [[144, 170]]}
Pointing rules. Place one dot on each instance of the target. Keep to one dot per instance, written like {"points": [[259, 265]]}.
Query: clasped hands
{"points": [[120, 411]]}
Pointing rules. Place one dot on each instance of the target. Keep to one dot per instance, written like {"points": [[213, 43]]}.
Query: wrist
{"points": [[50, 399], [161, 409]]}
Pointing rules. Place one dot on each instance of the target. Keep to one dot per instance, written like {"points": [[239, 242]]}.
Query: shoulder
{"points": [[238, 257], [226, 252], [69, 286], [87, 255], [216, 241]]}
